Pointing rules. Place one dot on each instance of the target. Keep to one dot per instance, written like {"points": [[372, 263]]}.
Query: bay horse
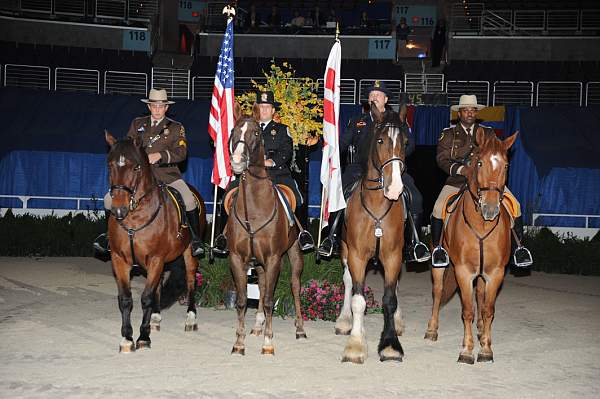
{"points": [[259, 234], [145, 230], [477, 238], [374, 229]]}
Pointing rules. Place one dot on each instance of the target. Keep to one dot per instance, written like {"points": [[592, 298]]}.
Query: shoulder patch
{"points": [[182, 131], [442, 135]]}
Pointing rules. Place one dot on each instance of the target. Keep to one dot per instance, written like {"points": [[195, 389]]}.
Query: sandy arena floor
{"points": [[60, 330]]}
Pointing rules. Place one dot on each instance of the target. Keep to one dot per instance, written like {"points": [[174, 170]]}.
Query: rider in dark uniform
{"points": [[279, 151], [356, 143]]}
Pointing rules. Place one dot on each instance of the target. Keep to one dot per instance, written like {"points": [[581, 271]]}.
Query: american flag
{"points": [[331, 176], [220, 121]]}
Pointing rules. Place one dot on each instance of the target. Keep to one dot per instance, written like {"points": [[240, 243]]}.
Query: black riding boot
{"points": [[330, 247], [415, 251], [439, 256], [101, 242], [193, 219], [521, 257]]}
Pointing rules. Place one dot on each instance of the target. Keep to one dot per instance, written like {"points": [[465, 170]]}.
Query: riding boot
{"points": [[521, 257], [101, 244], [439, 256], [193, 219], [330, 247], [415, 251]]}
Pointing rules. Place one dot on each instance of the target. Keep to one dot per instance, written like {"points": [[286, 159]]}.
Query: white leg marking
{"points": [[358, 310]]}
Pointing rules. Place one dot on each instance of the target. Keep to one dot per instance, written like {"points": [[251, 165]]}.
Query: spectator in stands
{"points": [[317, 17], [364, 20], [252, 19], [438, 42], [164, 141], [298, 20], [402, 31], [332, 17], [274, 18]]}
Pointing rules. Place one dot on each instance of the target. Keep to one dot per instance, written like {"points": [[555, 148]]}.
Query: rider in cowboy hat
{"points": [[166, 145], [356, 142], [455, 147], [279, 150]]}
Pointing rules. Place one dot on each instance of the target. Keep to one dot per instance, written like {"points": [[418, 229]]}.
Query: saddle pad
{"points": [[510, 203], [289, 195]]}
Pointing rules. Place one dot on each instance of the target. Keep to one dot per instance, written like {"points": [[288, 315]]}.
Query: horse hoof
{"points": [[142, 345], [191, 327], [238, 350], [267, 350], [431, 335], [466, 359], [340, 331], [390, 353], [485, 357], [384, 358], [356, 359], [154, 327], [126, 347], [256, 332], [300, 335]]}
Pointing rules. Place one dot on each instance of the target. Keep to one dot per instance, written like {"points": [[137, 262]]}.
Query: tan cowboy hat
{"points": [[467, 101], [157, 96]]}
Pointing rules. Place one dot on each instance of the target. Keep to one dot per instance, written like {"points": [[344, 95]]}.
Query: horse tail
{"points": [[175, 283], [449, 286]]}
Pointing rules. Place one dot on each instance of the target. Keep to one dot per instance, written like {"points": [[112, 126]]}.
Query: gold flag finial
{"points": [[337, 31]]}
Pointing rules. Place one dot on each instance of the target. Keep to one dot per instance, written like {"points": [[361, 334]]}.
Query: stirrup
{"points": [[525, 255], [220, 247], [305, 241], [426, 254], [444, 262], [326, 247], [102, 249], [199, 250]]}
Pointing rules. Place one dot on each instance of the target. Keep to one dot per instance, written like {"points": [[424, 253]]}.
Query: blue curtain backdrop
{"points": [[53, 145]]}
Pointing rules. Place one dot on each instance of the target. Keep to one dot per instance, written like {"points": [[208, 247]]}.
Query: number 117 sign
{"points": [[382, 49]]}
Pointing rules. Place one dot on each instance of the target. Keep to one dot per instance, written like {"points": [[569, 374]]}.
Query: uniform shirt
{"points": [[456, 146], [168, 139], [279, 147]]}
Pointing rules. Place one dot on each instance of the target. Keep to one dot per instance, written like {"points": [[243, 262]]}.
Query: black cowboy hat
{"points": [[378, 85], [266, 97]]}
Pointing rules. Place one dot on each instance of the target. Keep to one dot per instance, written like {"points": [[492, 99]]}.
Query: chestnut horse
{"points": [[374, 229], [477, 237], [146, 230], [259, 234]]}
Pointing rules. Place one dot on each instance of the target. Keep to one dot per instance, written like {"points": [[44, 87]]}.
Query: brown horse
{"points": [[477, 237], [259, 234], [374, 229], [145, 230]]}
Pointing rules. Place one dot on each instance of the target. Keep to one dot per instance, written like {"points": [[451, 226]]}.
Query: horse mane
{"points": [[129, 148]]}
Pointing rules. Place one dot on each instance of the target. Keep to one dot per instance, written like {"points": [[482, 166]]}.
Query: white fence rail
{"points": [[456, 88], [175, 81], [512, 93], [423, 82], [559, 93], [128, 83], [27, 76], [75, 79], [592, 93]]}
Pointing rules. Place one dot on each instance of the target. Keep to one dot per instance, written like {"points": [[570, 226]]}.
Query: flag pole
{"points": [[321, 211]]}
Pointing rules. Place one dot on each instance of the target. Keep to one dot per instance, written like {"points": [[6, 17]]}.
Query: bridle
{"points": [[246, 155], [478, 198], [379, 168]]}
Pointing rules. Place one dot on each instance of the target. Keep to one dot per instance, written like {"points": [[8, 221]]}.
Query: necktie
{"points": [[154, 123], [469, 131], [262, 126]]}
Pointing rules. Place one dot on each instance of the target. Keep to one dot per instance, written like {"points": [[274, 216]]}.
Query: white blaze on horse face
{"points": [[121, 161], [395, 187], [496, 160], [239, 149]]}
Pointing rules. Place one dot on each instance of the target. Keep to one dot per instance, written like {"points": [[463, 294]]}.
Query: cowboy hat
{"points": [[467, 101], [157, 96], [266, 97]]}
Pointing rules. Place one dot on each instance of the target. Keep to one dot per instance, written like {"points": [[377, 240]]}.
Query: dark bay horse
{"points": [[145, 229], [477, 238], [259, 234], [374, 229]]}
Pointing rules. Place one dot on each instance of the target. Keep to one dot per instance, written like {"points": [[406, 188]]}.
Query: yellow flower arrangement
{"points": [[301, 108]]}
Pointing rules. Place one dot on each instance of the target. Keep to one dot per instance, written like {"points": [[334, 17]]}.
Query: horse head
{"points": [[246, 145], [128, 168], [387, 153], [487, 172]]}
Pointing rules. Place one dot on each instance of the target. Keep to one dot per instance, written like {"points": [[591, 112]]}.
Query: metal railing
{"points": [[592, 93], [586, 218], [590, 20], [347, 90], [497, 21], [78, 203], [394, 86], [142, 10], [75, 79], [175, 81], [559, 93], [128, 83], [27, 76], [456, 88], [423, 82], [111, 9], [36, 6], [560, 20], [70, 7], [202, 87], [512, 93]]}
